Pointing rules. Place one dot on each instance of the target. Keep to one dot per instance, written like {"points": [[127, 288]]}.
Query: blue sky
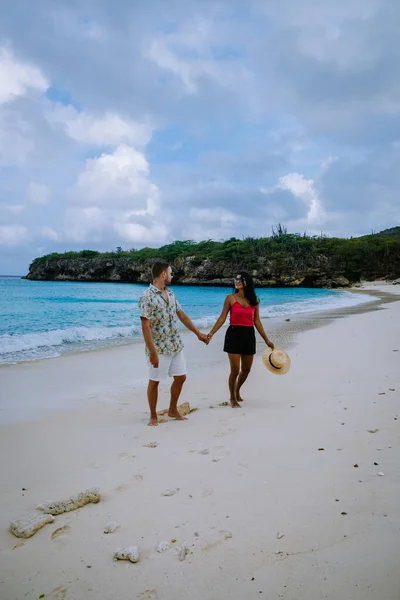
{"points": [[132, 124]]}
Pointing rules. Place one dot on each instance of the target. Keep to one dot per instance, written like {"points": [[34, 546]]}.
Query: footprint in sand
{"points": [[148, 595], [19, 545], [59, 593], [125, 456], [60, 532], [207, 493], [225, 432], [122, 488], [137, 477]]}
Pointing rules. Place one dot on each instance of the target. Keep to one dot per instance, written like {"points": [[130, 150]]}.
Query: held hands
{"points": [[203, 338]]}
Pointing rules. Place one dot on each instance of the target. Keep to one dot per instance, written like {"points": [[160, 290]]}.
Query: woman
{"points": [[240, 339]]}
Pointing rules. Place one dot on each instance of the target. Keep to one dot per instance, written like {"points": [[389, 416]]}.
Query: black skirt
{"points": [[240, 340]]}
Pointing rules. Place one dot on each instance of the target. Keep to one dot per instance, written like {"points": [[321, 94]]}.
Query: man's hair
{"points": [[158, 267]]}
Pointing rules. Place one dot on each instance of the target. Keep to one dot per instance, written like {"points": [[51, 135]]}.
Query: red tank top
{"points": [[244, 317]]}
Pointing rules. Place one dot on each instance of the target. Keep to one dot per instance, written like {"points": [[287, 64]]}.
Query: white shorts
{"points": [[169, 365]]}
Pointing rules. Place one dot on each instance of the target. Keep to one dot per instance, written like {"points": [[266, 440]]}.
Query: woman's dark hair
{"points": [[248, 288]]}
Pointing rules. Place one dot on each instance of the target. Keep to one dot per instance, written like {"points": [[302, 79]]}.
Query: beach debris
{"points": [[59, 531], [163, 546], [390, 390], [381, 393], [205, 451], [170, 492], [131, 553], [111, 527], [150, 445], [396, 350], [183, 552], [223, 404], [27, 526], [215, 459], [372, 430], [380, 474], [287, 320], [227, 534], [173, 541], [376, 464], [279, 535], [58, 507], [343, 513], [321, 449], [355, 466]]}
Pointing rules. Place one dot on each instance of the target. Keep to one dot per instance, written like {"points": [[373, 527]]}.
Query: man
{"points": [[158, 308]]}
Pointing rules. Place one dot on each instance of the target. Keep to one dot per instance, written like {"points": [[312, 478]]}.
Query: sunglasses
{"points": [[238, 279]]}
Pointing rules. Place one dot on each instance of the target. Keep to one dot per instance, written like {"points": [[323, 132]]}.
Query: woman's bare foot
{"points": [[239, 398], [153, 422], [176, 415], [235, 404]]}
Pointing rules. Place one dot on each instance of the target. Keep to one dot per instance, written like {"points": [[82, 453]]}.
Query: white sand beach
{"points": [[292, 496]]}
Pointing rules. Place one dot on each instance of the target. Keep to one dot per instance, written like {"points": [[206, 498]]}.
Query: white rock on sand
{"points": [[131, 553], [58, 507], [27, 526]]}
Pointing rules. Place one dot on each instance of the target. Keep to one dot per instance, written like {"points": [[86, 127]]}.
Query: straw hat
{"points": [[276, 361]]}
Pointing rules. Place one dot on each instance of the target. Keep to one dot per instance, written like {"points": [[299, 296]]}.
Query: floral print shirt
{"points": [[162, 316]]}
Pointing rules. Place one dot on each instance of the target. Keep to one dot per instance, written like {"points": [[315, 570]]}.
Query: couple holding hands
{"points": [[158, 309]]}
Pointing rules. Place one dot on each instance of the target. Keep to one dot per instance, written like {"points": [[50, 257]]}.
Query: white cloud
{"points": [[114, 198], [118, 180], [16, 77], [48, 233], [12, 208], [108, 129], [38, 193], [304, 189], [12, 235]]}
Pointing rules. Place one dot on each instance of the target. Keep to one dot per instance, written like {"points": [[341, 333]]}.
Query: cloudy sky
{"points": [[132, 123]]}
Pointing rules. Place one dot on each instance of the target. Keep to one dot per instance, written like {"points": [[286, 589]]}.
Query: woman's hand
{"points": [[270, 344], [209, 336]]}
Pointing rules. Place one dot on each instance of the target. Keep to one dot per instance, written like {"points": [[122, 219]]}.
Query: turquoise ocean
{"points": [[44, 319]]}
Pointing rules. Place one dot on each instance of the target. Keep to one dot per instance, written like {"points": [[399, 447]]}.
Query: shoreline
{"points": [[110, 344], [104, 374], [279, 498]]}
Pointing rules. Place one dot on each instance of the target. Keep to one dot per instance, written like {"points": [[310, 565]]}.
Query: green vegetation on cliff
{"points": [[369, 257]]}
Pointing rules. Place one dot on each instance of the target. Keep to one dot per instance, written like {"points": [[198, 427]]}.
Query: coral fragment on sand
{"points": [[111, 527], [163, 546], [58, 507], [131, 553], [170, 492], [30, 524]]}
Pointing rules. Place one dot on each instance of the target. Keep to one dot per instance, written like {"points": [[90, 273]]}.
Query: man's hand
{"points": [[154, 359], [203, 338]]}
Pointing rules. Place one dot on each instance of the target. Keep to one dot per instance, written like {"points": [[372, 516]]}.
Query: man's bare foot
{"points": [[153, 422], [239, 398], [235, 404], [176, 415]]}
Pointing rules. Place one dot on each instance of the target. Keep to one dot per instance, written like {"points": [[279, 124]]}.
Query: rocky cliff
{"points": [[318, 271]]}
